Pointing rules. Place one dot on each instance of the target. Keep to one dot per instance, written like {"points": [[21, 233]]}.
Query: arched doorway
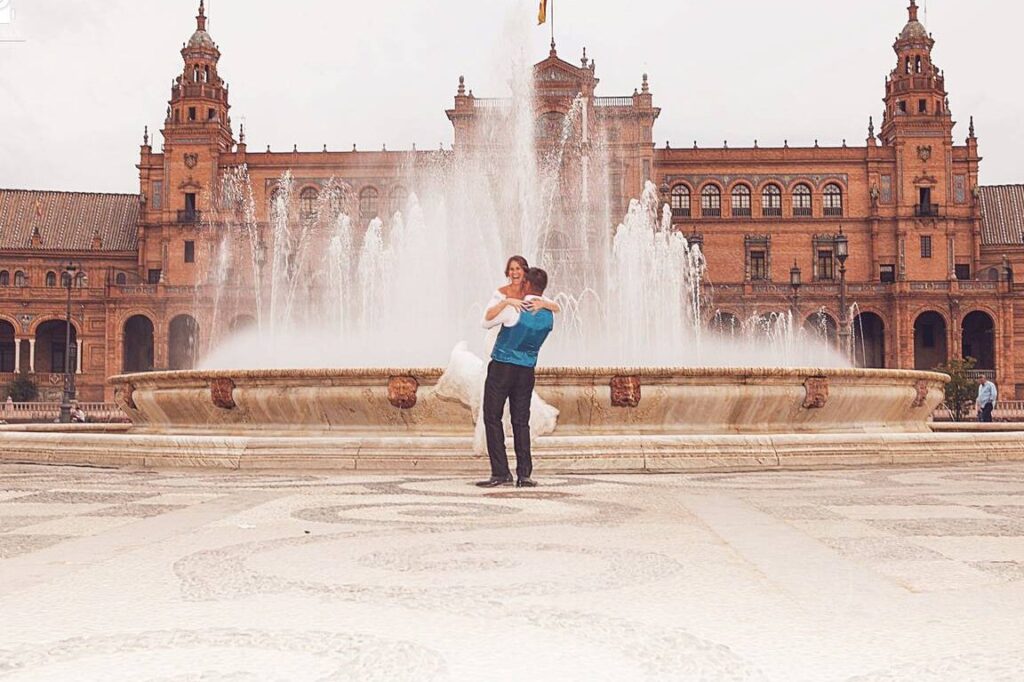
{"points": [[726, 324], [50, 347], [930, 348], [979, 339], [869, 341], [182, 342], [822, 327], [242, 323], [138, 344], [6, 346]]}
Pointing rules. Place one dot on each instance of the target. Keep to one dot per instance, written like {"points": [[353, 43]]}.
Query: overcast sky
{"points": [[87, 75]]}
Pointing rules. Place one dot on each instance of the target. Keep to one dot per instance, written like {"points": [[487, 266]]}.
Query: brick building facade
{"points": [[932, 254]]}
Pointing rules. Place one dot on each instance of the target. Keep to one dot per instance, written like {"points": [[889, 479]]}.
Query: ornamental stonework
{"points": [[625, 391], [402, 391], [816, 392], [222, 392], [922, 394]]}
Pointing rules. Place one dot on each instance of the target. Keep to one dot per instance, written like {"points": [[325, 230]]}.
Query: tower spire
{"points": [[912, 10], [201, 17]]}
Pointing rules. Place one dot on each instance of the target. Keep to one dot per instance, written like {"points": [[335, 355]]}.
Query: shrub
{"points": [[962, 388]]}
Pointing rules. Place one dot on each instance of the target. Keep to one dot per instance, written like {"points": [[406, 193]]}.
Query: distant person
{"points": [[78, 415], [510, 378], [986, 399]]}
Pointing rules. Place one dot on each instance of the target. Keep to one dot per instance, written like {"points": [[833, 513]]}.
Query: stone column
{"points": [[17, 355], [32, 356], [78, 357]]}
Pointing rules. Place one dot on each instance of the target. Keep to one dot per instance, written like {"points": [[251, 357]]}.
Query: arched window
{"points": [[278, 203], [802, 200], [307, 203], [711, 201], [917, 64], [19, 279], [121, 279], [741, 201], [369, 198], [680, 201], [81, 280], [51, 279], [833, 200], [65, 280], [771, 201], [399, 198], [5, 278]]}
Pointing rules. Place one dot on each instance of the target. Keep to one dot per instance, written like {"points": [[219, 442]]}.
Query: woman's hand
{"points": [[517, 303], [543, 304]]}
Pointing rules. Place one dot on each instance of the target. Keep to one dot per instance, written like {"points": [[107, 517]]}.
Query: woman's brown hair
{"points": [[516, 259]]}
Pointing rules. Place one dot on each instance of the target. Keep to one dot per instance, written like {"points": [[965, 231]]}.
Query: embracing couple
{"points": [[526, 318]]}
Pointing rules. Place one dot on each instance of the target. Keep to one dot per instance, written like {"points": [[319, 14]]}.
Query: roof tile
{"points": [[68, 220]]}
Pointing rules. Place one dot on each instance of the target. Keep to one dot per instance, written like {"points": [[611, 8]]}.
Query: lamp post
{"points": [[70, 270], [794, 282], [842, 253]]}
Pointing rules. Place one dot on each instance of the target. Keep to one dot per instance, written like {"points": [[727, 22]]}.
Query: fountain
{"points": [[332, 331]]}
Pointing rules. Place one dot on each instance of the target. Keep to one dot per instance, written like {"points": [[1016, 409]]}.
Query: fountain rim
{"points": [[163, 376]]}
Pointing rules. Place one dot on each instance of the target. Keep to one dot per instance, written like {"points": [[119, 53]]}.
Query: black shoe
{"points": [[526, 483], [494, 482]]}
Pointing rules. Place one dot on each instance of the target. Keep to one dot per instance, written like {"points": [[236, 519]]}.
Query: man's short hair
{"points": [[537, 279]]}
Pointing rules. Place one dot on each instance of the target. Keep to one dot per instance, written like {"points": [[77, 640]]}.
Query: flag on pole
{"points": [[542, 12]]}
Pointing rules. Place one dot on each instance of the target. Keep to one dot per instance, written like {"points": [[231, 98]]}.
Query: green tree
{"points": [[22, 389], [962, 389]]}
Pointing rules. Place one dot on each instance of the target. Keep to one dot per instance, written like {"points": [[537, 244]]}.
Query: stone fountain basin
{"points": [[592, 401]]}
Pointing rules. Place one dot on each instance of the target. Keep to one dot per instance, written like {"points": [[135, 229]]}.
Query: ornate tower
{"points": [[180, 182], [198, 108], [915, 93], [918, 124]]}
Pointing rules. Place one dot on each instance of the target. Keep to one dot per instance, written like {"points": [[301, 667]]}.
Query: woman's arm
{"points": [[496, 309]]}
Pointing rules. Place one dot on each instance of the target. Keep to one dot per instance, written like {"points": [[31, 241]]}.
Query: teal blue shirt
{"points": [[520, 344]]}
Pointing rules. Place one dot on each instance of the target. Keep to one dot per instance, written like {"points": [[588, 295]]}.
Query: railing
{"points": [[969, 285], [771, 212], [681, 212], [923, 210], [46, 412], [1004, 411], [833, 211], [492, 102], [613, 101], [188, 217], [802, 212], [741, 212], [929, 286], [711, 212]]}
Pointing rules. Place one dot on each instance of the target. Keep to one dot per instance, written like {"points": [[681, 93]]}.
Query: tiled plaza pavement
{"points": [[895, 574]]}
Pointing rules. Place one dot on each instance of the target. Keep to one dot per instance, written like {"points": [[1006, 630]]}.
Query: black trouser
{"points": [[986, 412], [514, 384]]}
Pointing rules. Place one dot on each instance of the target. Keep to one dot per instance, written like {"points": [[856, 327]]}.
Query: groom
{"points": [[510, 378]]}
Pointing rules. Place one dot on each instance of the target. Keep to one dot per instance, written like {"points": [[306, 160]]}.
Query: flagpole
{"points": [[552, 24]]}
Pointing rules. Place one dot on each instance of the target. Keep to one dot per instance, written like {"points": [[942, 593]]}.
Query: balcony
{"points": [[771, 212], [711, 212], [741, 212], [802, 212], [833, 211], [926, 210], [190, 217], [681, 212]]}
